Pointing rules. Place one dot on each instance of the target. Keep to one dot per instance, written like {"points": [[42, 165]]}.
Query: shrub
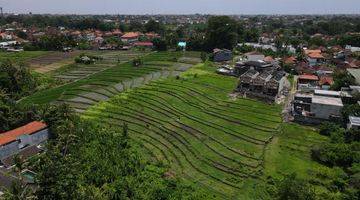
{"points": [[327, 128], [341, 154], [87, 59], [292, 188]]}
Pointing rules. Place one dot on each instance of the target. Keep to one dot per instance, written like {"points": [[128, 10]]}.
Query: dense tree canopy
{"points": [[15, 79], [222, 32]]}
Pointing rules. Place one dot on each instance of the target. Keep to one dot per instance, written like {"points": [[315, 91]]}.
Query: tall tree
{"points": [[222, 32]]}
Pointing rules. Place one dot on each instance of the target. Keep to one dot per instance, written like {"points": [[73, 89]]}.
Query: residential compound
{"points": [[260, 77], [97, 39]]}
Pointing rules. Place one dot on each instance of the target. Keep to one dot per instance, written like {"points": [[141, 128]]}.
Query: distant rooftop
{"points": [[309, 77]]}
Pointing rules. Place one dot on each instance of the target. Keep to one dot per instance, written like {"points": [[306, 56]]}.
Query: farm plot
{"points": [[109, 82], [192, 126], [76, 71], [52, 61], [22, 56]]}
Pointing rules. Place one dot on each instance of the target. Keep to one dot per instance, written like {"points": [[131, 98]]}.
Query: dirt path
{"points": [[287, 115]]}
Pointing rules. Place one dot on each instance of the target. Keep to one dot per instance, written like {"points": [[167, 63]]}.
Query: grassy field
{"points": [[228, 147], [21, 56]]}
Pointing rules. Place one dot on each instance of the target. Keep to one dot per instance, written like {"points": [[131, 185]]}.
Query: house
{"points": [[26, 177], [259, 46], [144, 44], [90, 36], [117, 33], [14, 141], [151, 36], [8, 44], [289, 61], [307, 82], [322, 70], [225, 70], [254, 56], [328, 93], [6, 36], [314, 108], [269, 59], [352, 49], [303, 68], [99, 40], [259, 65], [130, 37], [354, 123], [325, 82], [221, 55], [314, 57]]}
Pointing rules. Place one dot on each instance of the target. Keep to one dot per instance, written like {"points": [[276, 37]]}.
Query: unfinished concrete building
{"points": [[265, 85]]}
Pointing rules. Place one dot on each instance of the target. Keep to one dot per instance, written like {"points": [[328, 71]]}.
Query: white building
{"points": [[354, 123]]}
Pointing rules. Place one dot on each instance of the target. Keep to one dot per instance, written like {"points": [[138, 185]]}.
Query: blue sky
{"points": [[182, 6]]}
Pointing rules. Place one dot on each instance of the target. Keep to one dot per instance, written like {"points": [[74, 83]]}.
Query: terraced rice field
{"points": [[105, 83], [193, 126], [76, 71]]}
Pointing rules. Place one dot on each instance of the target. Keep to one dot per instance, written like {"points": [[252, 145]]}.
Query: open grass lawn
{"points": [[21, 56]]}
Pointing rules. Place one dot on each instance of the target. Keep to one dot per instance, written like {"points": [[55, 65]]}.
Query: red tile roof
{"points": [[308, 77], [130, 35], [309, 51], [117, 32], [316, 55], [290, 60], [326, 80], [147, 44], [268, 59], [27, 129]]}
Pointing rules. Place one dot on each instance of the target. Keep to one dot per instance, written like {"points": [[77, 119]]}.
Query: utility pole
{"points": [[1, 12]]}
